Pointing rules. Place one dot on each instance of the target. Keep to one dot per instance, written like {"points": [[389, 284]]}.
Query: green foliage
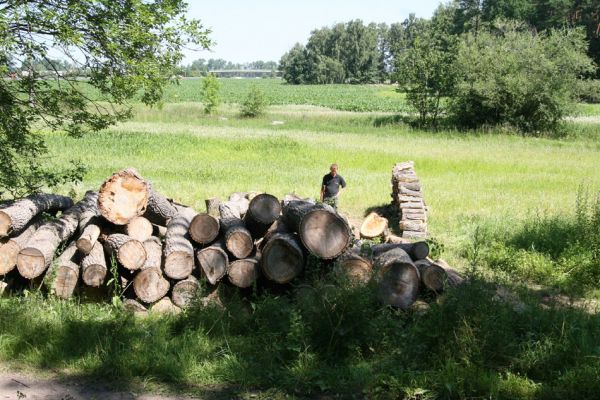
{"points": [[255, 103], [588, 91], [121, 48], [510, 76], [210, 93]]}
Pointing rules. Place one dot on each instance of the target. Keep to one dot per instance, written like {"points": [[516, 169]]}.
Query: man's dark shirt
{"points": [[332, 184]]}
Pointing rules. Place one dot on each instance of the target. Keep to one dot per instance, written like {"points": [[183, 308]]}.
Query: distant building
{"points": [[246, 73]]}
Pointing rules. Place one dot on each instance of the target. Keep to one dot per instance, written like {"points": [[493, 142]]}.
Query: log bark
{"points": [[64, 273], [413, 226], [322, 230], [14, 218], [165, 306], [263, 211], [356, 268], [139, 228], [123, 196], [150, 286], [37, 254], [185, 291], [204, 228], [237, 239], [212, 206], [282, 258], [178, 250], [10, 250], [398, 278], [416, 251], [373, 226], [160, 210], [241, 202], [130, 252], [243, 273], [214, 262], [89, 236], [93, 267]]}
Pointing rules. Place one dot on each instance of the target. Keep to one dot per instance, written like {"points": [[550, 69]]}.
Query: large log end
{"points": [[179, 265], [123, 197], [5, 224], [31, 263]]}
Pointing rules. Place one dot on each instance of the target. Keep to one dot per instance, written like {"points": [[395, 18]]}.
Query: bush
{"points": [[588, 91], [508, 75], [255, 103], [210, 93]]}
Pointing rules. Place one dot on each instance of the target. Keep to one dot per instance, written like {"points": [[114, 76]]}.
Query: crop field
{"points": [[504, 209]]}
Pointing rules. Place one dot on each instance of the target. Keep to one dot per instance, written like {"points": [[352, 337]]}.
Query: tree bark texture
{"points": [[14, 218]]}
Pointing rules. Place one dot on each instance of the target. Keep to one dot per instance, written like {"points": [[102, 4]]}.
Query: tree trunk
{"points": [[212, 206], [214, 262], [160, 210], [10, 250], [398, 278], [14, 218], [322, 230], [204, 228], [416, 251], [243, 273], [282, 258], [37, 254], [184, 292], [130, 252], [64, 273], [89, 236], [263, 210], [373, 226], [165, 306], [123, 196], [139, 228], [178, 251], [356, 268], [150, 286], [238, 240], [93, 267]]}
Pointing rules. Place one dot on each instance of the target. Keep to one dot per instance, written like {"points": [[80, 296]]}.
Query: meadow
{"points": [[504, 209]]}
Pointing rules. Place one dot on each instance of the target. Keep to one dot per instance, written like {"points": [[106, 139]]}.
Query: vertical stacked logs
{"points": [[64, 273], [214, 262], [178, 250], [408, 198], [10, 250]]}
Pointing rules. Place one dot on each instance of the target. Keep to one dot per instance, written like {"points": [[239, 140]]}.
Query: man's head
{"points": [[333, 169]]}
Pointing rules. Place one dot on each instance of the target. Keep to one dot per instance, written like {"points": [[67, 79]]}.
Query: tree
{"points": [[255, 103], [127, 48], [210, 93], [293, 65], [509, 75]]}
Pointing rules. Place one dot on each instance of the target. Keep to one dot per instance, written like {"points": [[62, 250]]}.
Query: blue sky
{"points": [[265, 29]]}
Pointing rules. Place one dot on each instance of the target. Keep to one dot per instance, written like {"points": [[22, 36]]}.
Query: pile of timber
{"points": [[162, 251], [407, 198]]}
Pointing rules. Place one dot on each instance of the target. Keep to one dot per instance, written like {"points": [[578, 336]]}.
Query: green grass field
{"points": [[504, 207]]}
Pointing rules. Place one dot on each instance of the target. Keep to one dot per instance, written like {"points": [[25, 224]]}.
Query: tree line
{"points": [[201, 66], [355, 52]]}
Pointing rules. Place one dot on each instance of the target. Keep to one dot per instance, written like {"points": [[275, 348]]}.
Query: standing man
{"points": [[332, 186]]}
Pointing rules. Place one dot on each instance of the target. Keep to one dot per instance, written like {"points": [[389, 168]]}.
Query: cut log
{"points": [[282, 258], [416, 251], [150, 286], [93, 267], [321, 229], [63, 275], [37, 254], [237, 239], [243, 273], [134, 307], [214, 262], [454, 278], [356, 268], [212, 206], [241, 202], [14, 218], [264, 209], [139, 228], [165, 306], [396, 239], [160, 210], [3, 288], [10, 250], [397, 277], [123, 196], [414, 234], [185, 291], [294, 197], [373, 226], [159, 231], [89, 236], [204, 228], [130, 252], [153, 248], [178, 250], [413, 226]]}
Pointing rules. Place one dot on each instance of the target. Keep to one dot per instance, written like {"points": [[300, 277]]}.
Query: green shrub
{"points": [[210, 93], [588, 91], [255, 103], [508, 75]]}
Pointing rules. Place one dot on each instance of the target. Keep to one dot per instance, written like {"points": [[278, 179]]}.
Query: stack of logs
{"points": [[408, 198], [161, 249]]}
